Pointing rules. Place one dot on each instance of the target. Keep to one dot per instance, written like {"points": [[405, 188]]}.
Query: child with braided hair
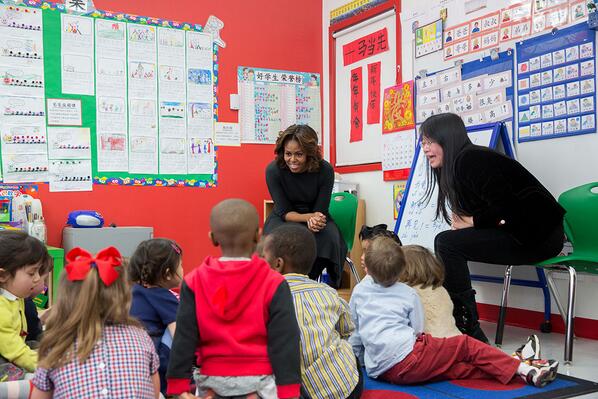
{"points": [[154, 269]]}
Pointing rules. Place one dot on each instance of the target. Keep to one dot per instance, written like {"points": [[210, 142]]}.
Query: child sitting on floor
{"points": [[424, 273], [155, 268], [367, 234], [323, 317], [22, 259], [92, 348], [389, 336], [237, 315]]}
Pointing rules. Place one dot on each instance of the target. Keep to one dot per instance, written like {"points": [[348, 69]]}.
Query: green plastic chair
{"points": [[343, 210], [581, 229]]}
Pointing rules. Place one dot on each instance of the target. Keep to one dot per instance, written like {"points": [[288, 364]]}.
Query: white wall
{"points": [[559, 163]]}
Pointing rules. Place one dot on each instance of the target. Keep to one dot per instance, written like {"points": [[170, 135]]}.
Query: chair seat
{"points": [[586, 263]]}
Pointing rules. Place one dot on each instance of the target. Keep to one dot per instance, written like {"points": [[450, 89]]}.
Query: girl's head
{"points": [[157, 262], [367, 234], [23, 259], [93, 292], [297, 149], [421, 268], [442, 138], [384, 260]]}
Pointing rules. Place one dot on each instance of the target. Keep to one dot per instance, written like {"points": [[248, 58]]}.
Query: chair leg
{"points": [[353, 269], [555, 294], [500, 326], [570, 316]]}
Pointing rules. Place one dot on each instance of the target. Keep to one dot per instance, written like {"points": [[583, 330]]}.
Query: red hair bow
{"points": [[80, 262]]}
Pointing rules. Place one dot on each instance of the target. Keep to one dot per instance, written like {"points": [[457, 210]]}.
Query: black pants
{"points": [[456, 247]]}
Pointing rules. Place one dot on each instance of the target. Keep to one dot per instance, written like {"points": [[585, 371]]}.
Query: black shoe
{"points": [[466, 315]]}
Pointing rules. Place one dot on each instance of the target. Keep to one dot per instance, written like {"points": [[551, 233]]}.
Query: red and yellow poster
{"points": [[398, 108]]}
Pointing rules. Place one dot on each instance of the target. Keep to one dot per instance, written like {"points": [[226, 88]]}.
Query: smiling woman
{"points": [[300, 183]]}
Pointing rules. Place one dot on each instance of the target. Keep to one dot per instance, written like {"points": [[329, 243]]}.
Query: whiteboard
{"points": [[369, 150], [416, 222]]}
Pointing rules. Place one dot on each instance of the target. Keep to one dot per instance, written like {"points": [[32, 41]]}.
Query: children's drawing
{"points": [[199, 76], [110, 30], [172, 145], [172, 109], [142, 70], [142, 144]]}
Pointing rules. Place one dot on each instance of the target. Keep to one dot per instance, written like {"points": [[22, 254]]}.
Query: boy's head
{"points": [[22, 260], [234, 225], [290, 249], [384, 260], [367, 234]]}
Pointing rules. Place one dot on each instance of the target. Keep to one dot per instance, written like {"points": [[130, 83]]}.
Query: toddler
{"points": [[155, 268], [323, 317], [237, 315], [389, 336], [367, 234], [21, 259], [425, 274], [92, 348]]}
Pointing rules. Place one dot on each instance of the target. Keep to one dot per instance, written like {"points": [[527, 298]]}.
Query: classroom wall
{"points": [[559, 163], [259, 33]]}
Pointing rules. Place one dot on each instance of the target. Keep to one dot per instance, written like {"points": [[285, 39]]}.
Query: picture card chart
{"points": [[480, 91], [22, 104], [514, 22], [272, 100], [556, 84]]}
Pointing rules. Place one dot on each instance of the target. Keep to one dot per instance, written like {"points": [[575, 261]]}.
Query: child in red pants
{"points": [[388, 336]]}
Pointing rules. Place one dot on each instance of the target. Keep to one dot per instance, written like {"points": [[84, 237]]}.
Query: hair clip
{"points": [[175, 247]]}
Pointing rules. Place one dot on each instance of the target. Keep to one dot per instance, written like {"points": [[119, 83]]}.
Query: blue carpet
{"points": [[562, 387]]}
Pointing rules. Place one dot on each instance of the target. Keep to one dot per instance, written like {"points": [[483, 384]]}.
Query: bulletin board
{"points": [[556, 84], [416, 222], [152, 134]]}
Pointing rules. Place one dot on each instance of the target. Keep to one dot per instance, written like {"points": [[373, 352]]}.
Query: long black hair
{"points": [[448, 131]]}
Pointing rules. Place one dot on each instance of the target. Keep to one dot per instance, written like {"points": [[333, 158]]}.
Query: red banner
{"points": [[356, 106], [374, 92], [366, 46]]}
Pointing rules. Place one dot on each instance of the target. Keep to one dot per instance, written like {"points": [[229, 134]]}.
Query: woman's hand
{"points": [[461, 222], [316, 222]]}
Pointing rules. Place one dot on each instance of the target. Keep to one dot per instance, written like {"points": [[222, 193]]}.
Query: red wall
{"points": [[282, 34]]}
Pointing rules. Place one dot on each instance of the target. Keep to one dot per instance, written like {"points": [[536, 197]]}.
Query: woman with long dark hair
{"points": [[499, 212], [300, 183]]}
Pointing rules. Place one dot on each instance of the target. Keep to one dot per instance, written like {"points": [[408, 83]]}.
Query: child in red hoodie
{"points": [[238, 316]]}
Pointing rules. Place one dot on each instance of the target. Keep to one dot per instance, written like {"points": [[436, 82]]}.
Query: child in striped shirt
{"points": [[328, 366]]}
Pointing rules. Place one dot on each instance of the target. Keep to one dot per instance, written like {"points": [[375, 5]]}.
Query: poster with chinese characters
{"points": [[272, 100], [397, 111], [364, 47]]}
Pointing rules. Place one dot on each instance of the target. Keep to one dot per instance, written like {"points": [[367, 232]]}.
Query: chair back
{"points": [[581, 219], [343, 209]]}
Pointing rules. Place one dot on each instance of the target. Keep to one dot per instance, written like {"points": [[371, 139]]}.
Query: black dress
{"points": [[308, 192]]}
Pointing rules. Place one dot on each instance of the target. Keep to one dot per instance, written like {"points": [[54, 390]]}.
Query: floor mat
{"points": [[562, 387]]}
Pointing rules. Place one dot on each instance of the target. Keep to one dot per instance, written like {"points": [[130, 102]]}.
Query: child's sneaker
{"points": [[542, 372], [530, 351]]}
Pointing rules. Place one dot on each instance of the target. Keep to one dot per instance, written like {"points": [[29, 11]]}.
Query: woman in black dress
{"points": [[499, 212], [300, 183]]}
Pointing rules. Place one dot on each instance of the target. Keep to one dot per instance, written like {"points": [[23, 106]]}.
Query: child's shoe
{"points": [[530, 351], [542, 372]]}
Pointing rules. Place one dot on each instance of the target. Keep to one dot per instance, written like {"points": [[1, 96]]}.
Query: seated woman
{"points": [[300, 183]]}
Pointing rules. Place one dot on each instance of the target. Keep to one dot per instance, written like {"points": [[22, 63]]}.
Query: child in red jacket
{"points": [[239, 316]]}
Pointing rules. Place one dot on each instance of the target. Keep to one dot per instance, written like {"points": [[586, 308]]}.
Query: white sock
{"points": [[524, 369]]}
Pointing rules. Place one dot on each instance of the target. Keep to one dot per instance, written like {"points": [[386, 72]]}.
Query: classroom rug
{"points": [[563, 387]]}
